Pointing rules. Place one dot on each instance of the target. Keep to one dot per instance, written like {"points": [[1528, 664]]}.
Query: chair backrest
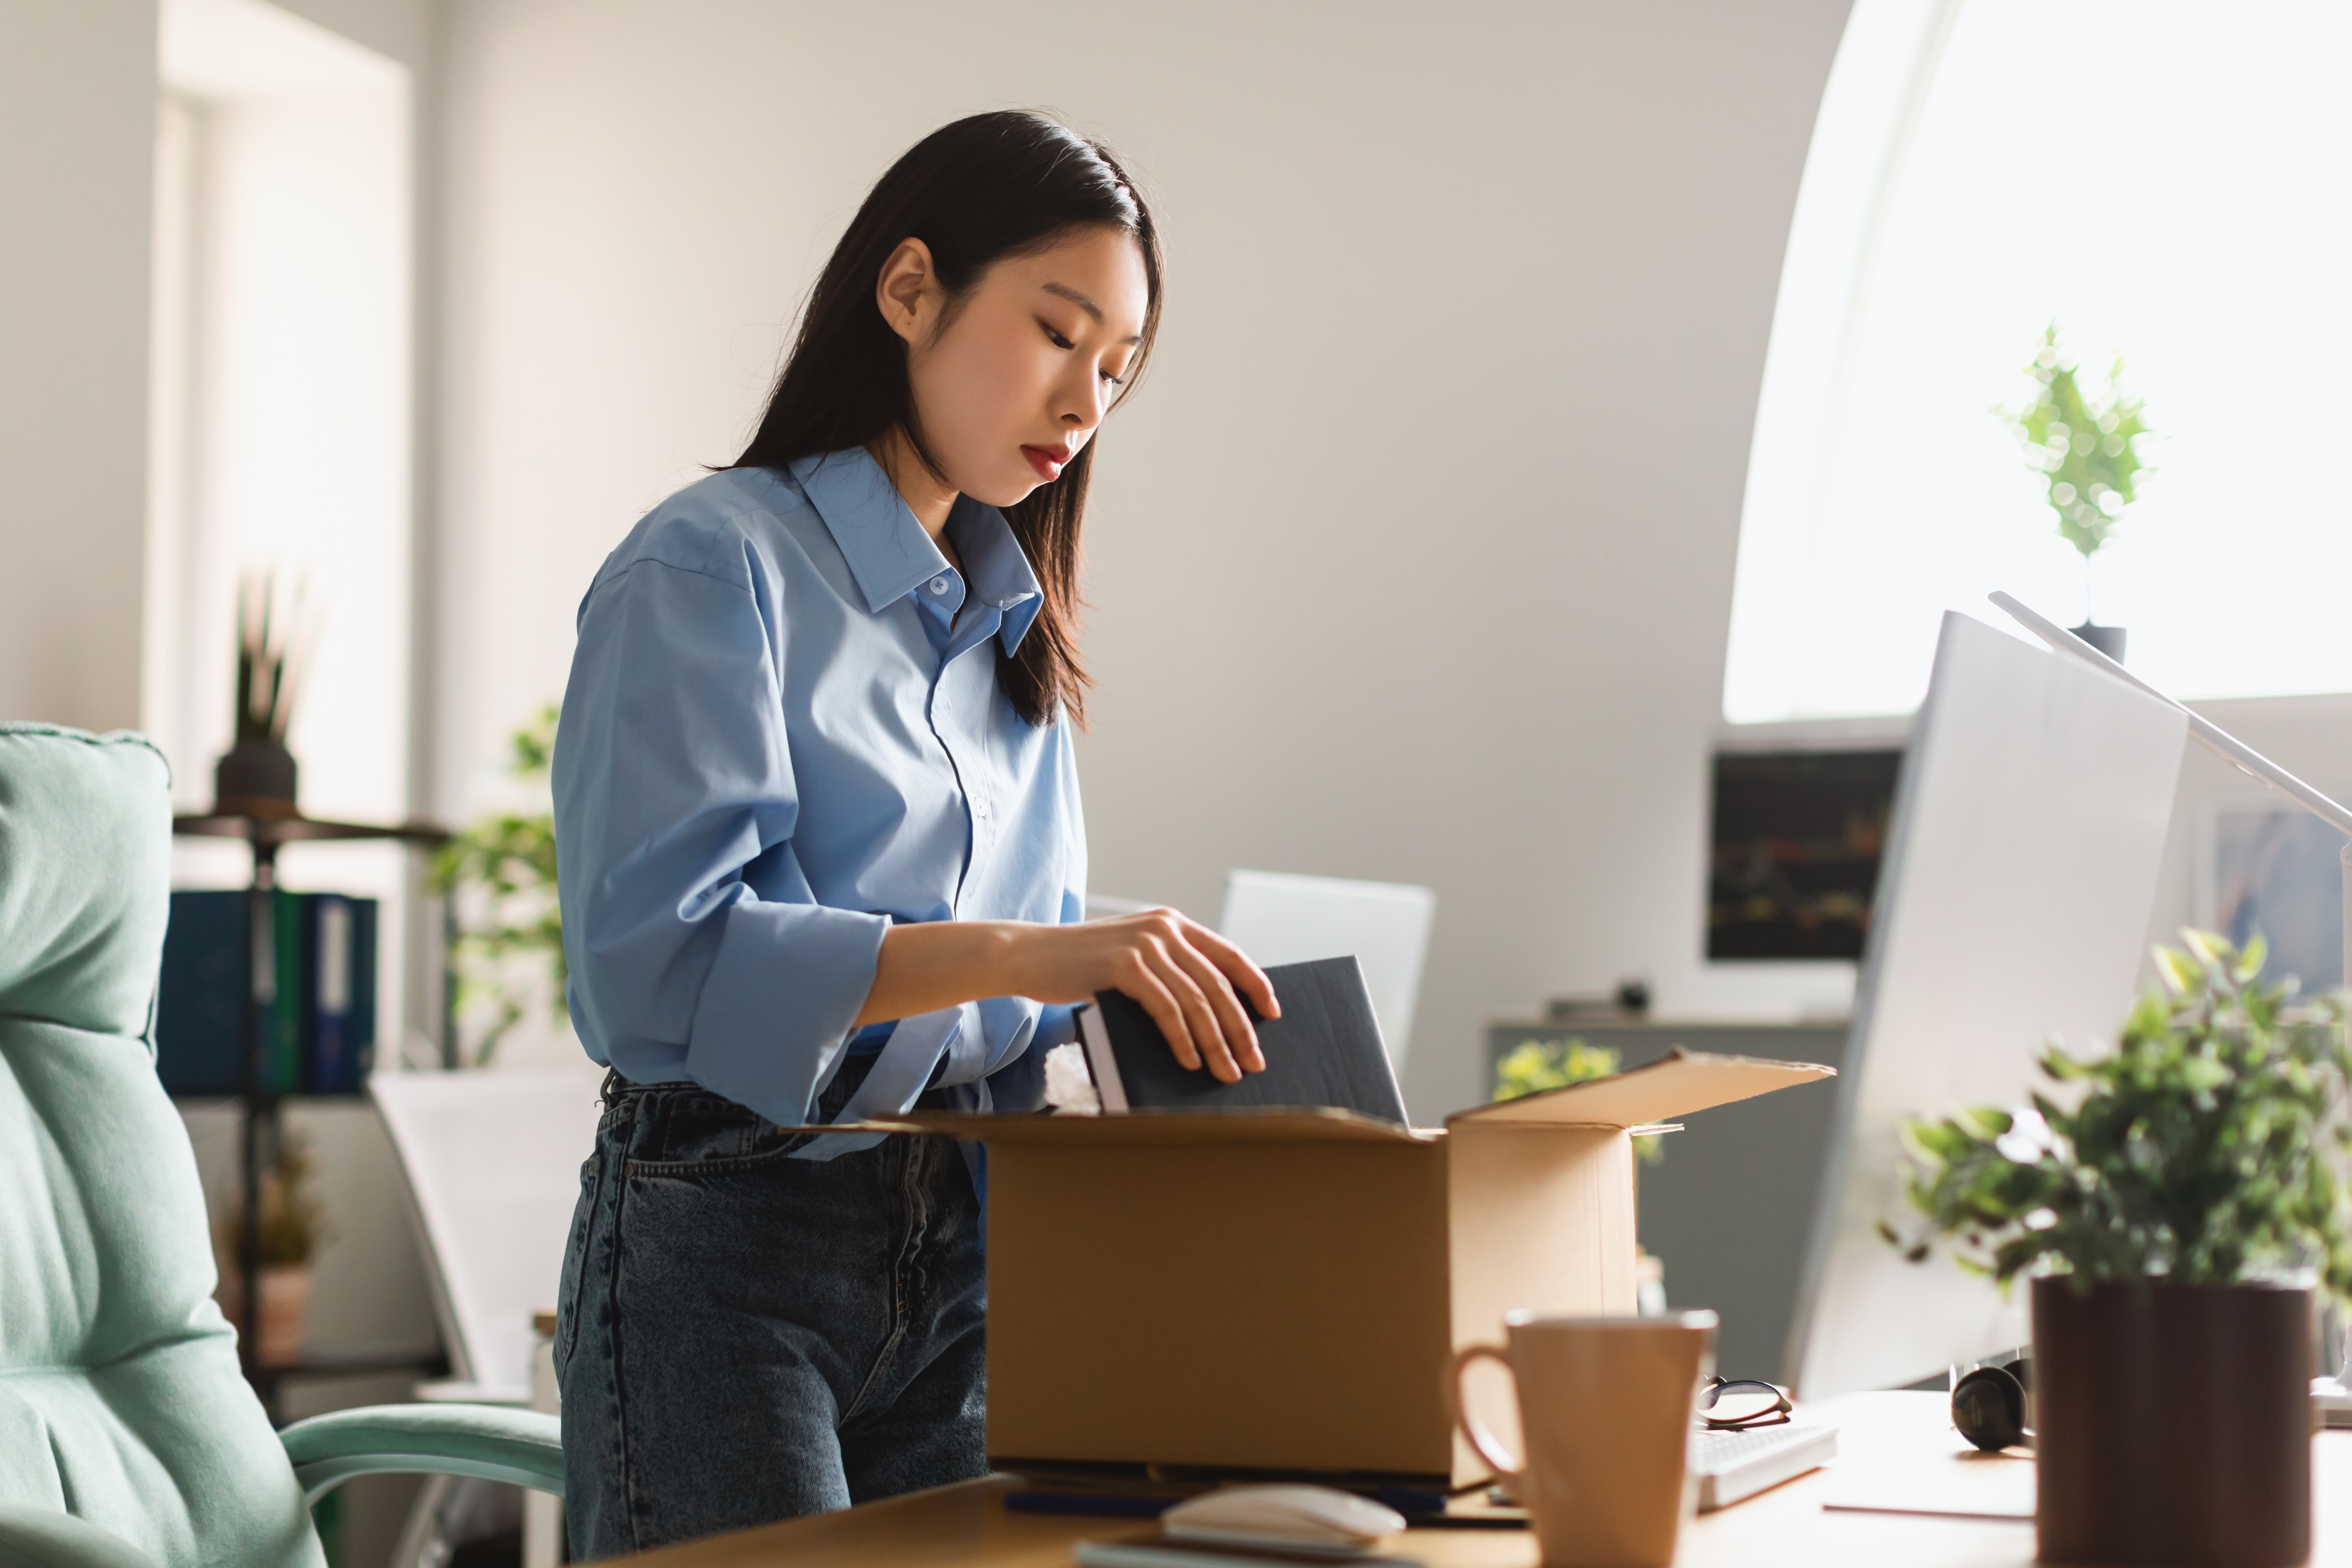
{"points": [[1276, 918], [121, 1400], [493, 1165]]}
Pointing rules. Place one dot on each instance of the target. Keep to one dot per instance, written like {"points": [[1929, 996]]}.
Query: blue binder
{"points": [[316, 1008]]}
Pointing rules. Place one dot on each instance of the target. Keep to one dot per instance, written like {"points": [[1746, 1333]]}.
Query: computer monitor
{"points": [[2021, 870], [1797, 840]]}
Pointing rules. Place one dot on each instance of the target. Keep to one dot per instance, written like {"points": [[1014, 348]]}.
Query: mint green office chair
{"points": [[128, 1437]]}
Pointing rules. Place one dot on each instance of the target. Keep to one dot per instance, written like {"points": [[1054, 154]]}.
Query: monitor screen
{"points": [[2021, 863], [1797, 836]]}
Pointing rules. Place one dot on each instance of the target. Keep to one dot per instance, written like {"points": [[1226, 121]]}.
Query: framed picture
{"points": [[2276, 870]]}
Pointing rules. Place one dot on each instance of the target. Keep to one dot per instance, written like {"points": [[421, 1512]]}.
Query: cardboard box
{"points": [[1283, 1290]]}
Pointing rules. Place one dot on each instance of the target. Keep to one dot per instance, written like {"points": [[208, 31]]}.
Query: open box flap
{"points": [[1138, 1129], [1676, 1085]]}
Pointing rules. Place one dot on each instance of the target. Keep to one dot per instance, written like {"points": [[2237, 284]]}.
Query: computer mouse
{"points": [[1280, 1514]]}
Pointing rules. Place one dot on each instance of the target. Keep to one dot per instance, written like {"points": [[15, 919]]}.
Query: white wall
{"points": [[1412, 560], [76, 145], [401, 30]]}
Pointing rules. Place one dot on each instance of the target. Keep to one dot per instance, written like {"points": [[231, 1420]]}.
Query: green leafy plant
{"points": [[1533, 1066], [2208, 1149], [2084, 444], [503, 872]]}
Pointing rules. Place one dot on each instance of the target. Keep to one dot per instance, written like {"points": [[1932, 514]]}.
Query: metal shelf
{"points": [[264, 830]]}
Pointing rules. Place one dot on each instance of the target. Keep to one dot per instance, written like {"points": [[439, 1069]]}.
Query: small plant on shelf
{"points": [[274, 638], [501, 872], [293, 1227], [1533, 1066], [294, 1224], [2208, 1149]]}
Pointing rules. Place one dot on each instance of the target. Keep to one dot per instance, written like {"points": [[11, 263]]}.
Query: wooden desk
{"points": [[1786, 1526]]}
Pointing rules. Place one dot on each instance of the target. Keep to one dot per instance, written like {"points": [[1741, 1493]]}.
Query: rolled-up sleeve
{"points": [[673, 782]]}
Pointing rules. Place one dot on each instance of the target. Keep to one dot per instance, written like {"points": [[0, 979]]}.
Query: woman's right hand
{"points": [[1184, 975]]}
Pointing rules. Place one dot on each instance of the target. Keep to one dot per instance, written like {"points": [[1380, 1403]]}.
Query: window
{"points": [[2164, 180], [280, 425]]}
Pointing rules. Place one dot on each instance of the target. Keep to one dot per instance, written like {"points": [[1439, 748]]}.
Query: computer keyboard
{"points": [[1741, 1462]]}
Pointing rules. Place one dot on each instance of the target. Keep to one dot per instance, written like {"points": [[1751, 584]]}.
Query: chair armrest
{"points": [[44, 1538], [521, 1447]]}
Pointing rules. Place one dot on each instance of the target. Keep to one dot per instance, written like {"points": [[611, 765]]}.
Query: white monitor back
{"points": [[2021, 870], [1276, 918], [493, 1166]]}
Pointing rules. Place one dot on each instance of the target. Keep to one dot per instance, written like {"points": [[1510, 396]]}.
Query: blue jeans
{"points": [[743, 1337]]}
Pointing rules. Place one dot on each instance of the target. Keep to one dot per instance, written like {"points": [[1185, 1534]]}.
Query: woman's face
{"points": [[1017, 379]]}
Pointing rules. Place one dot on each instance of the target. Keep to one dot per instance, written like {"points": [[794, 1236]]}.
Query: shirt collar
{"points": [[890, 553], [995, 568]]}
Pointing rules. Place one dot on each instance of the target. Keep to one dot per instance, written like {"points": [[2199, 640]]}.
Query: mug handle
{"points": [[1506, 1468]]}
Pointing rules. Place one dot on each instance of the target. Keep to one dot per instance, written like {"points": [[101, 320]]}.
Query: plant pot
{"points": [[2109, 640], [254, 779], [285, 1302], [2174, 1424]]}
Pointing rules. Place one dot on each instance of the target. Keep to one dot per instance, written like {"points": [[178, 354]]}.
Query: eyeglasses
{"points": [[1742, 1402]]}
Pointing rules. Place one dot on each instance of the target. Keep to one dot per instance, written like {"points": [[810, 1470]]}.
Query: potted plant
{"points": [[256, 776], [2085, 446], [293, 1227], [2175, 1202]]}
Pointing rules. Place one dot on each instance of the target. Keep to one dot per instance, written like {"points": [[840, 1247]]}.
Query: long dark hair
{"points": [[975, 191]]}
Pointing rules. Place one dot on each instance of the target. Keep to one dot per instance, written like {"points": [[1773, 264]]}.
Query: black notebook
{"points": [[1325, 1050]]}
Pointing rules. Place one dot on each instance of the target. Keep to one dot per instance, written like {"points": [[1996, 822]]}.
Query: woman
{"points": [[823, 861]]}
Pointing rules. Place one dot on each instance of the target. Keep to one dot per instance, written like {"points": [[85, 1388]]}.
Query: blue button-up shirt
{"points": [[782, 733]]}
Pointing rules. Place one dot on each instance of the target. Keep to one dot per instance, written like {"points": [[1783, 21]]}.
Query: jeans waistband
{"points": [[845, 1081]]}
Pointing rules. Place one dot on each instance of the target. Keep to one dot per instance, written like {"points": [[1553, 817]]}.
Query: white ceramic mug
{"points": [[1605, 1405]]}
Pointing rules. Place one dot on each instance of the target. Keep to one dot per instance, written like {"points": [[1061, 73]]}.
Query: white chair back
{"points": [[493, 1166], [1280, 919]]}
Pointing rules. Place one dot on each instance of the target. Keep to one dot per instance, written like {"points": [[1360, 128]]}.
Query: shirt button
{"points": [[939, 584]]}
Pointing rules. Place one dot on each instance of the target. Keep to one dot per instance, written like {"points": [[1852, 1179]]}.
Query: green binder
{"points": [[285, 1054]]}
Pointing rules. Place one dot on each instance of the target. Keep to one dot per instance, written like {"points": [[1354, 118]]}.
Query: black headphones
{"points": [[1990, 1406]]}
